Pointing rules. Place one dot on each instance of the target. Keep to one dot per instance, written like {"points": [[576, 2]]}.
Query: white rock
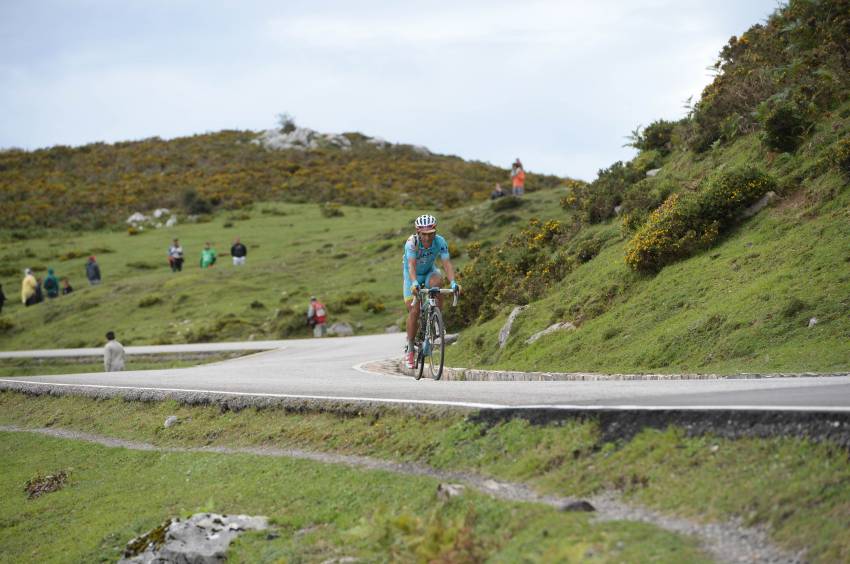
{"points": [[159, 212], [171, 421], [561, 326], [617, 210], [137, 217], [812, 322], [505, 332], [653, 172], [341, 329], [448, 491], [763, 202], [172, 221]]}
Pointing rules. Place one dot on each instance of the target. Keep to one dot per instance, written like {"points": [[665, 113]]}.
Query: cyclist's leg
{"points": [[435, 280], [412, 312]]}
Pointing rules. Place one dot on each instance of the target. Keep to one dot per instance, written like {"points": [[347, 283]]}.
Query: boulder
{"points": [[812, 322], [137, 217], [172, 221], [203, 538], [763, 202], [160, 212], [170, 421], [505, 332], [653, 172], [560, 326], [579, 505], [448, 491], [341, 329]]}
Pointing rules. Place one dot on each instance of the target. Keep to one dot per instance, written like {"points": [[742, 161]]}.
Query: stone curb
{"points": [[396, 367]]}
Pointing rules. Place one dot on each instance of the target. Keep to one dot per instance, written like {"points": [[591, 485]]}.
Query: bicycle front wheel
{"points": [[437, 352]]}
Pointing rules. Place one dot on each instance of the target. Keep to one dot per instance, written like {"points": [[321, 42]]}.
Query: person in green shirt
{"points": [[208, 256]]}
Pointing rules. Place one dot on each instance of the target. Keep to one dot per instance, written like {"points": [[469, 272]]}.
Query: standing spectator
{"points": [[39, 295], [175, 256], [2, 298], [208, 256], [66, 287], [518, 178], [93, 271], [316, 317], [497, 192], [28, 288], [239, 253], [113, 354], [51, 284]]}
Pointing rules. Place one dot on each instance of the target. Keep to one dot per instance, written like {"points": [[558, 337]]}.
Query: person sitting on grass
{"points": [[66, 287]]}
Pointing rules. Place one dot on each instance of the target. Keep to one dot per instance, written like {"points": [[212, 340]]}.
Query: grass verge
{"points": [[800, 490], [43, 366]]}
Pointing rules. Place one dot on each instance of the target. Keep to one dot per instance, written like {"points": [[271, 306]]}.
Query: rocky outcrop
{"points": [[301, 138], [763, 202], [203, 538], [341, 329], [560, 326], [505, 331]]}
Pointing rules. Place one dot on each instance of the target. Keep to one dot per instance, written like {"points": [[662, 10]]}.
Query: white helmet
{"points": [[426, 223]]}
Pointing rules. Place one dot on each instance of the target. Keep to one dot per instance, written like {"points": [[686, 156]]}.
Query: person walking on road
{"points": [[93, 271], [28, 288], [175, 256], [208, 256], [317, 315], [51, 284], [113, 354], [239, 252], [518, 178]]}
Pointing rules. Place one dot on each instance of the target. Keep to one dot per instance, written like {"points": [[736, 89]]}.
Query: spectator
{"points": [[39, 295], [113, 354], [316, 317], [518, 178], [497, 192], [208, 256], [51, 284], [2, 298], [28, 288], [66, 287], [239, 253], [175, 256], [93, 271]]}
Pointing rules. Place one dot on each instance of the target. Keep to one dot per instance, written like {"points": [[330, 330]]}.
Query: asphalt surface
{"points": [[331, 369]]}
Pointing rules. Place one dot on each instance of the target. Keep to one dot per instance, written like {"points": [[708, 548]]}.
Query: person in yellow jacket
{"points": [[29, 287]]}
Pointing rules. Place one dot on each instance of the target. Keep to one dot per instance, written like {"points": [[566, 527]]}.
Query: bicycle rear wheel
{"points": [[437, 353]]}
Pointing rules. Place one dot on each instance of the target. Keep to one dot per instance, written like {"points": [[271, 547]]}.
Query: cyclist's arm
{"points": [[411, 269], [450, 270]]}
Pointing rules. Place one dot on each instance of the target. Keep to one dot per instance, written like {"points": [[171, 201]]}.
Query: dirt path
{"points": [[727, 542]]}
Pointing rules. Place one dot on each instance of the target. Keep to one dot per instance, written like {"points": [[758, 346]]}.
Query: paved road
{"points": [[150, 349], [329, 368]]}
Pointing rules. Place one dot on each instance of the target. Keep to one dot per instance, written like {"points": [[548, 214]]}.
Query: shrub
{"points": [[506, 203], [6, 326], [643, 197], [257, 304], [463, 227], [149, 301], [784, 125], [657, 136], [454, 250], [195, 204], [840, 156], [374, 306], [595, 202], [330, 209], [686, 223], [140, 265]]}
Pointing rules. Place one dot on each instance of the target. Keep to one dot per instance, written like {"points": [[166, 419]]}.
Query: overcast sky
{"points": [[556, 83]]}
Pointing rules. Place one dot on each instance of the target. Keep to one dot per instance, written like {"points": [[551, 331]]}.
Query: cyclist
{"points": [[420, 252]]}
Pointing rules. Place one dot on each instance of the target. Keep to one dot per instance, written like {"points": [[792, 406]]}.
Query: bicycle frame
{"points": [[429, 315]]}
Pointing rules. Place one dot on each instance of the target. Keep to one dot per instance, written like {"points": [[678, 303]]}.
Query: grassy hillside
{"points": [[352, 262], [100, 184]]}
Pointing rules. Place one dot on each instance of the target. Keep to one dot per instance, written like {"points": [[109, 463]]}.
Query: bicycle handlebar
{"points": [[428, 291]]}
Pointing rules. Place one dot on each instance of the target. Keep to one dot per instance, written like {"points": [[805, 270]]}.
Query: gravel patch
{"points": [[727, 542]]}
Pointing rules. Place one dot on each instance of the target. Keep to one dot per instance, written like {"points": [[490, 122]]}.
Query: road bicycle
{"points": [[430, 341]]}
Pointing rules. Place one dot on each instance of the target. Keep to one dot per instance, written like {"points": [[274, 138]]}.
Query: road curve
{"points": [[330, 369]]}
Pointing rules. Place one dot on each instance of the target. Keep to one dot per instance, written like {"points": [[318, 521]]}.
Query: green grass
{"points": [[319, 511], [800, 490], [38, 366], [355, 259]]}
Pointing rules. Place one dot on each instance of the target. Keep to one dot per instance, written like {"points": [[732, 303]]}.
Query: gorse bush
{"points": [[802, 48], [784, 125], [840, 156], [688, 222], [595, 202], [331, 209], [643, 197]]}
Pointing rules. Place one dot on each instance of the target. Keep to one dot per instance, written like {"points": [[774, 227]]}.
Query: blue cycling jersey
{"points": [[425, 258]]}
